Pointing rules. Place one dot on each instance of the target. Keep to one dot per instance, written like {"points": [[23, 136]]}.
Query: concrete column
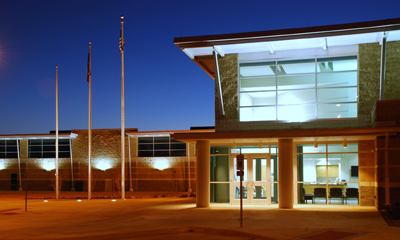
{"points": [[203, 174], [285, 173]]}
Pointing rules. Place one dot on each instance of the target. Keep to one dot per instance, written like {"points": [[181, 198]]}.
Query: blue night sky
{"points": [[164, 89]]}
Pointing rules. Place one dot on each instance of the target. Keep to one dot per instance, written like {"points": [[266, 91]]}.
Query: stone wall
{"points": [[392, 75], [229, 73]]}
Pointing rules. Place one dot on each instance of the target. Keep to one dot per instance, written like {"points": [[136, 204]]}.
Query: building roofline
{"points": [[278, 134], [40, 135], [286, 34], [154, 133]]}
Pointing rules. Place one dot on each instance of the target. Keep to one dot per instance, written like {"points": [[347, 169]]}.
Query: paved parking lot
{"points": [[177, 218]]}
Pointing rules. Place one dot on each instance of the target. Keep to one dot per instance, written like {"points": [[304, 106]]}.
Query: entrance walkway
{"points": [[177, 218]]}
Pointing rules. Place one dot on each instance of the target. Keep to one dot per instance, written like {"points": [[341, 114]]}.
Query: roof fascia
{"points": [[37, 136], [289, 34]]}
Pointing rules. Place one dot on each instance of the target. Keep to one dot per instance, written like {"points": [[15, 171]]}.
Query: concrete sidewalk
{"points": [[175, 218]]}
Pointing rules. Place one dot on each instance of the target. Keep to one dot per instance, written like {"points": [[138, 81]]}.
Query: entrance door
{"points": [[256, 180]]}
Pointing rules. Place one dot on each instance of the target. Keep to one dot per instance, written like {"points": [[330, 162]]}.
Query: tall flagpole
{"points": [[121, 48], [57, 193], [89, 79]]}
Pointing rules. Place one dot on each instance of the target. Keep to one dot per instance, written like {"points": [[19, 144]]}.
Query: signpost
{"points": [[240, 173]]}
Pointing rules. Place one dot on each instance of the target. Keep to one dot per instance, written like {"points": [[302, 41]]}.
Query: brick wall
{"points": [[106, 167]]}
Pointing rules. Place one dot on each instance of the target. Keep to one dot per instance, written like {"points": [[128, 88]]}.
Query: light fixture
{"points": [[345, 144], [45, 200], [79, 200], [315, 145], [114, 200], [260, 146]]}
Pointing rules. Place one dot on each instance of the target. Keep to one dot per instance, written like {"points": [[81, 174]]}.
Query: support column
{"points": [[285, 173], [203, 174]]}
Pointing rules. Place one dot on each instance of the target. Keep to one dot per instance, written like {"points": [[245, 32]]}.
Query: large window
{"points": [[8, 149], [160, 147], [328, 173], [46, 148], [298, 90]]}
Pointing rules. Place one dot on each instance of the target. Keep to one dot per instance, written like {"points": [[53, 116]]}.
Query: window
{"points": [[298, 90], [46, 148], [219, 174], [327, 166], [160, 147], [8, 149]]}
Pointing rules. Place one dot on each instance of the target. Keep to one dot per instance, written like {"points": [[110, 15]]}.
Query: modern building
{"points": [[315, 111], [154, 161]]}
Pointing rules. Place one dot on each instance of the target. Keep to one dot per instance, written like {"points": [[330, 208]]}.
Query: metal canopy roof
{"points": [[200, 48], [37, 136]]}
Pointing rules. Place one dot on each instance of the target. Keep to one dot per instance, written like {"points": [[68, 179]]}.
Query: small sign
{"points": [[240, 162], [240, 173]]}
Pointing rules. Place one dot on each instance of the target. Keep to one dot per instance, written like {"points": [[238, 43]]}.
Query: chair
{"points": [[336, 193], [352, 193], [306, 197], [320, 193]]}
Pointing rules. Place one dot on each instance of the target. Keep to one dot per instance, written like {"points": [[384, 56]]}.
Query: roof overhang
{"points": [[309, 135], [200, 48], [37, 136], [168, 133]]}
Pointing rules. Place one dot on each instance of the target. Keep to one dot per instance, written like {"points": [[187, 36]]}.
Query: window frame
{"points": [[6, 153], [316, 103], [157, 147], [46, 148]]}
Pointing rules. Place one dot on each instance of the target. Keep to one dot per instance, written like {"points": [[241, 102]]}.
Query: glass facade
{"points": [[327, 173], [298, 90]]}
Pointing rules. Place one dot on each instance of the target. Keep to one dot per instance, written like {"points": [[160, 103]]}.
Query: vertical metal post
{"points": [[90, 125], [19, 166], [122, 115], [241, 200], [72, 165], [26, 188], [130, 165], [57, 190], [383, 64]]}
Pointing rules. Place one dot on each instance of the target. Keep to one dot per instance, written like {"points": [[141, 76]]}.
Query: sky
{"points": [[164, 89]]}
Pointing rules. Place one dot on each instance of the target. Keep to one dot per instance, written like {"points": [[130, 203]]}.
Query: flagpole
{"points": [[89, 79], [122, 113], [57, 193]]}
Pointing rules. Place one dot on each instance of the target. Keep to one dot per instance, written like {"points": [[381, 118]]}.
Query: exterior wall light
{"points": [[47, 165], [315, 145], [102, 164], [161, 164], [344, 144]]}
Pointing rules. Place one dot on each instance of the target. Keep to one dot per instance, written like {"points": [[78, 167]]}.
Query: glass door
{"points": [[256, 180]]}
